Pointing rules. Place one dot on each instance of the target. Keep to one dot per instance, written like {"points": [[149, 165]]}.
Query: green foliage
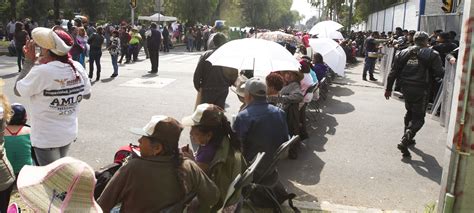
{"points": [[270, 14], [34, 9], [5, 11], [430, 207], [118, 11], [192, 11]]}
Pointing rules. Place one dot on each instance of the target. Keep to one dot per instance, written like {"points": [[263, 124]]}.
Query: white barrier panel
{"points": [[386, 63], [448, 88]]}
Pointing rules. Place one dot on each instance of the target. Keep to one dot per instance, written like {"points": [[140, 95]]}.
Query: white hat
{"points": [[66, 185], [46, 38], [149, 128], [206, 115]]}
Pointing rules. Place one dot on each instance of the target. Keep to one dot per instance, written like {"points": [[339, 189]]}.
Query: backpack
{"points": [[271, 196], [105, 174]]}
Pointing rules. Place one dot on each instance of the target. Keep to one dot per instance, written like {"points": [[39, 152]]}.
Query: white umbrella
{"points": [[157, 17], [333, 54], [333, 35], [325, 28], [259, 55]]}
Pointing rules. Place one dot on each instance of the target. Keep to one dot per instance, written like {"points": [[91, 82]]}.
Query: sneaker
{"points": [[404, 150], [114, 75]]}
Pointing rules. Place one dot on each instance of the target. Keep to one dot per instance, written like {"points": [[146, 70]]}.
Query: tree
{"points": [[272, 14], [56, 9], [332, 8], [192, 11], [311, 22]]}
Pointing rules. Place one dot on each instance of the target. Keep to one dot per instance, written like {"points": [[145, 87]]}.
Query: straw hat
{"points": [[66, 185], [46, 38], [239, 84]]}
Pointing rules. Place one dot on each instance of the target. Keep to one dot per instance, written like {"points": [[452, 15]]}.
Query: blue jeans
{"points": [[115, 64], [94, 56], [190, 44], [20, 57], [369, 66]]}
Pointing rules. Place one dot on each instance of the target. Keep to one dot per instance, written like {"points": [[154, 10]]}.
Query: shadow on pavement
{"points": [[107, 80], [428, 167], [306, 170], [11, 75], [150, 75], [339, 91]]}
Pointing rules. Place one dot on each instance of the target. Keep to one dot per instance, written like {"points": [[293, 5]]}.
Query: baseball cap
{"points": [[161, 127], [256, 86], [205, 115], [46, 38], [19, 113], [66, 185]]}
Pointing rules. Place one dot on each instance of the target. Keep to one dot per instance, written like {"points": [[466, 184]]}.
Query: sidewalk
{"points": [[351, 157]]}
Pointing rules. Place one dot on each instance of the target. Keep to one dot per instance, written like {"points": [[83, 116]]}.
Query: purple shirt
{"points": [[205, 154]]}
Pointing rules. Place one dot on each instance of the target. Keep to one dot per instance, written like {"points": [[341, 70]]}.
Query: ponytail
{"points": [[234, 139]]}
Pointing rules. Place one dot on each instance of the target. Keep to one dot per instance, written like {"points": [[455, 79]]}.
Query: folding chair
{"points": [[312, 106], [280, 153], [323, 88], [242, 180]]}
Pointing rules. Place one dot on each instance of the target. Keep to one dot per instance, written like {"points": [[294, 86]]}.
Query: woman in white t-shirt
{"points": [[55, 88]]}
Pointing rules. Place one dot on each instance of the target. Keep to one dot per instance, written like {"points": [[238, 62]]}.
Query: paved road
{"points": [[350, 159]]}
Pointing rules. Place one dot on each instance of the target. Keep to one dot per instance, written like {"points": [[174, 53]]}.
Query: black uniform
{"points": [[415, 68]]}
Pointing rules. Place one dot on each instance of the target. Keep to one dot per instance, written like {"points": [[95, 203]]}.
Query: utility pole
{"points": [[457, 188], [133, 5]]}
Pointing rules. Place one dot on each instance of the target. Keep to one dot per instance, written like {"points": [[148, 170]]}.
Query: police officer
{"points": [[415, 67]]}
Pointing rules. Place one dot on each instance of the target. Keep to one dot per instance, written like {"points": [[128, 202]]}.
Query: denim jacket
{"points": [[261, 127]]}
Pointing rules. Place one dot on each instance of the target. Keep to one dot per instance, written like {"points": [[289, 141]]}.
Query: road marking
{"points": [[148, 82]]}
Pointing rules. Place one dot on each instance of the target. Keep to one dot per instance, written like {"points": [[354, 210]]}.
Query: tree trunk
{"points": [[13, 8], [56, 9], [217, 13]]}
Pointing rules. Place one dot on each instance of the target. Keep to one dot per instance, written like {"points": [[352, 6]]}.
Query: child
{"points": [[114, 50], [17, 139]]}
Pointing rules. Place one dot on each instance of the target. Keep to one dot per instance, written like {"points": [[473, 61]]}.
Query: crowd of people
{"points": [[57, 82]]}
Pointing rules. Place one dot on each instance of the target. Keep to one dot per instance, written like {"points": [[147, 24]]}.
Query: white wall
{"points": [[411, 17], [389, 20], [403, 15]]}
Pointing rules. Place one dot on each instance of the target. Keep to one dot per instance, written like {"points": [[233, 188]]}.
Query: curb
{"points": [[325, 206]]}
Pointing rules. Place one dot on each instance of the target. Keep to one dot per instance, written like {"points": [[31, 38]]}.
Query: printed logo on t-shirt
{"points": [[66, 99]]}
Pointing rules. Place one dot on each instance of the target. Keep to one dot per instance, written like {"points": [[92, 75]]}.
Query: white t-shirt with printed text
{"points": [[55, 93]]}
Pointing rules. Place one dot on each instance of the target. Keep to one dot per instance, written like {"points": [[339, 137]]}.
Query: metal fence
{"points": [[445, 22]]}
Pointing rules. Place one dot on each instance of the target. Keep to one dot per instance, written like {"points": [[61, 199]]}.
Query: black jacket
{"points": [[154, 41], [444, 49], [207, 76], [415, 66]]}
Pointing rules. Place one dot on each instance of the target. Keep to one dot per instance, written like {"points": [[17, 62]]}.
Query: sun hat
{"points": [[205, 115], [66, 185], [256, 86], [46, 38], [161, 127], [239, 84]]}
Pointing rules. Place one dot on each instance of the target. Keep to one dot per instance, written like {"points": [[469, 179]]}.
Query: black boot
{"points": [[406, 141], [98, 77]]}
